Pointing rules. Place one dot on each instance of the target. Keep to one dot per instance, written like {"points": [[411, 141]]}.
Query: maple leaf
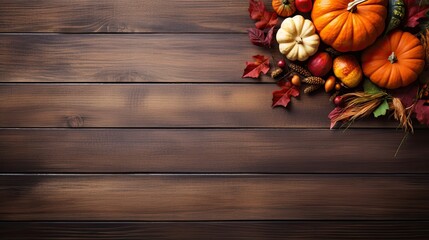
{"points": [[422, 112], [264, 18], [282, 97], [253, 69], [256, 9], [259, 38], [268, 20], [414, 13]]}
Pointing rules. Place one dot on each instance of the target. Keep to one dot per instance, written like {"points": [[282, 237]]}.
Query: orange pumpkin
{"points": [[284, 8], [394, 61], [349, 25]]}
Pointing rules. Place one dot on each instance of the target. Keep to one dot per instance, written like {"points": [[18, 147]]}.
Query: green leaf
{"points": [[382, 109], [370, 87]]}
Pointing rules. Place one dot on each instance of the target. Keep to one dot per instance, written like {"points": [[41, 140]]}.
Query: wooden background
{"points": [[129, 119]]}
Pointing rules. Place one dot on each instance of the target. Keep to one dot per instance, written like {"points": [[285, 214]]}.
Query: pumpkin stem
{"points": [[285, 2], [392, 58], [298, 40], [351, 7]]}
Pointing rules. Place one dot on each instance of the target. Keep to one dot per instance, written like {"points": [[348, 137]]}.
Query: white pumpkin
{"points": [[297, 38]]}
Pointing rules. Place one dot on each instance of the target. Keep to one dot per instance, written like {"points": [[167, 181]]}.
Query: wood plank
{"points": [[199, 150], [213, 197], [126, 58], [124, 16], [160, 105], [217, 230]]}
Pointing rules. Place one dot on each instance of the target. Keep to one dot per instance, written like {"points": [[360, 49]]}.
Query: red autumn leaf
{"points": [[334, 114], [259, 38], [414, 13], [258, 13], [282, 97], [407, 95], [256, 9], [268, 20], [422, 112], [253, 69]]}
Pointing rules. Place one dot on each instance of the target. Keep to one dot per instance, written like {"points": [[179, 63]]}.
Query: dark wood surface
{"points": [[124, 16], [126, 58], [212, 151], [129, 119], [362, 230], [212, 197], [161, 105]]}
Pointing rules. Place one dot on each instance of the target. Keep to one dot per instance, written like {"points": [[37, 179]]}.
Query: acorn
{"points": [[330, 84], [296, 80], [338, 87]]}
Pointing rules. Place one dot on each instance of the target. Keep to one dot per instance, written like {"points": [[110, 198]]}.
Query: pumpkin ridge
{"points": [[407, 64], [408, 42], [369, 21], [345, 28], [328, 28]]}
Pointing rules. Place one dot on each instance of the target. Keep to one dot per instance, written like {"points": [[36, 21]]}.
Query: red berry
{"points": [[338, 100], [281, 63]]}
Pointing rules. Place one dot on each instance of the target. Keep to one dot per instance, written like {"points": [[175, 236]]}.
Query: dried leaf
{"points": [[258, 13], [259, 38], [422, 112], [253, 69], [357, 105], [402, 115], [334, 114], [282, 97], [414, 12]]}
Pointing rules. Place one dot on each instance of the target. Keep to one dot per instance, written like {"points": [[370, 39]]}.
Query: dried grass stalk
{"points": [[402, 114], [359, 105]]}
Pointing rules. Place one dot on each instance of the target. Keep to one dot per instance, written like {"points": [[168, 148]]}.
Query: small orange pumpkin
{"points": [[284, 8], [349, 25], [394, 61]]}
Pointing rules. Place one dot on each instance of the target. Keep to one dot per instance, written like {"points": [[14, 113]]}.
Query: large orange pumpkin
{"points": [[394, 61], [349, 25]]}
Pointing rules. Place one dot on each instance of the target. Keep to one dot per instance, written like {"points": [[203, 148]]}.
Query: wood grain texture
{"points": [[124, 16], [199, 151], [217, 230], [160, 105], [126, 58], [214, 197]]}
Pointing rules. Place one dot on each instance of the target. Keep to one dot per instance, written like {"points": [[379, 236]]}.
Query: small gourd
{"points": [[395, 14], [297, 38], [284, 8]]}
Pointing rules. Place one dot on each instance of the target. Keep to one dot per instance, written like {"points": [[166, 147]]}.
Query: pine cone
{"points": [[314, 80], [300, 70], [276, 72], [311, 88]]}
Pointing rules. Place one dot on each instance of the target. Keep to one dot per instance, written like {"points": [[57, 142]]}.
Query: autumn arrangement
{"points": [[369, 55]]}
